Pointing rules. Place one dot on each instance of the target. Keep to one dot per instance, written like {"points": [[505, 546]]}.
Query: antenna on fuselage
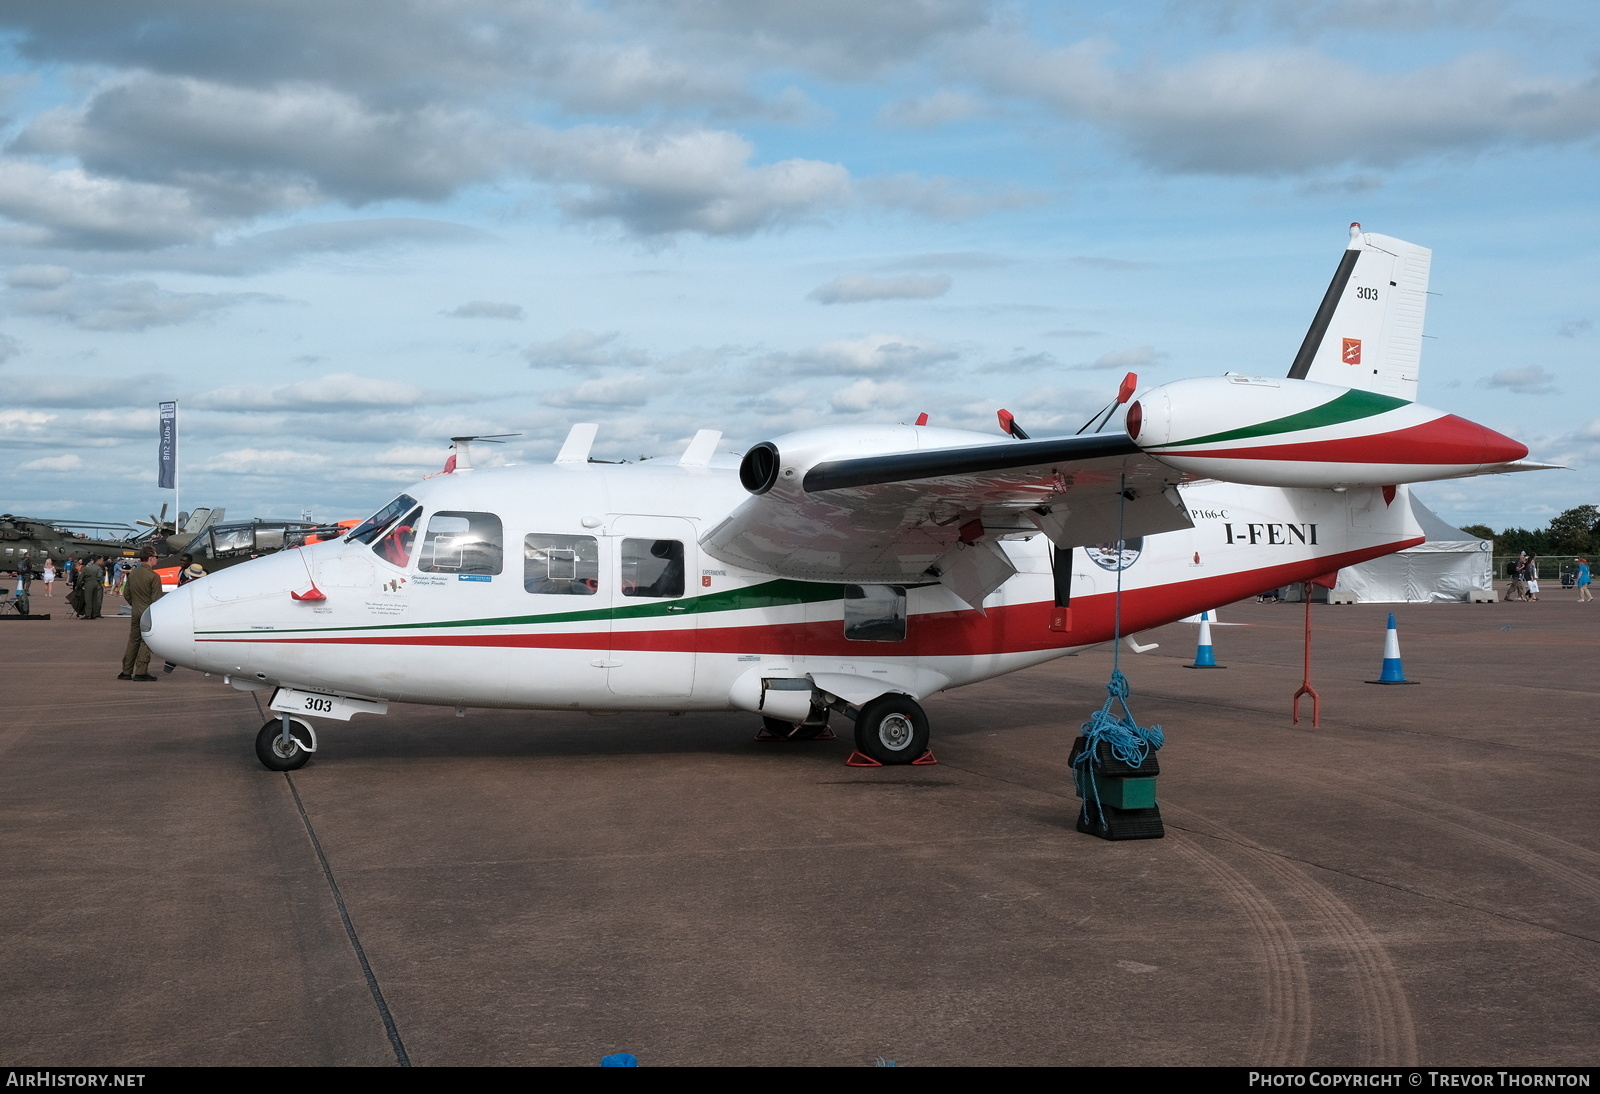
{"points": [[463, 447], [580, 438]]}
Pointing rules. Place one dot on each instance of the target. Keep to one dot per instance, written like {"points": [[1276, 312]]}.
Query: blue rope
{"points": [[1129, 741]]}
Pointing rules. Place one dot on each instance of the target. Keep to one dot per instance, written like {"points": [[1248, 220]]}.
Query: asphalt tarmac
{"points": [[1416, 881]]}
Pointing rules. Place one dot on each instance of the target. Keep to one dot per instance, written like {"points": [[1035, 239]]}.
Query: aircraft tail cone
{"points": [[1204, 656], [1393, 671]]}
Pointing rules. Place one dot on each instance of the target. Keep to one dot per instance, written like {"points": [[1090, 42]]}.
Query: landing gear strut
{"points": [[892, 729], [285, 743]]}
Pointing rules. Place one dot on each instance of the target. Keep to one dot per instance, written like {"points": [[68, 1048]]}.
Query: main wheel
{"points": [[892, 729], [270, 749]]}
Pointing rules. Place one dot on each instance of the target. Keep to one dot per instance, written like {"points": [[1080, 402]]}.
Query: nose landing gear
{"points": [[285, 743]]}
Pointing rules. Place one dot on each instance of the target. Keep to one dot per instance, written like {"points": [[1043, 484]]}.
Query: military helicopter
{"points": [[38, 540]]}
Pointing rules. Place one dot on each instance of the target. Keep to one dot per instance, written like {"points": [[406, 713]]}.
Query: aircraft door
{"points": [[654, 626]]}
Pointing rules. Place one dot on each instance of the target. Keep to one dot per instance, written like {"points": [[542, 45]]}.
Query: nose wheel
{"points": [[285, 743]]}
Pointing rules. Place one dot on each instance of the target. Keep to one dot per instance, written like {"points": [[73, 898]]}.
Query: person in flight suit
{"points": [[142, 589], [92, 582]]}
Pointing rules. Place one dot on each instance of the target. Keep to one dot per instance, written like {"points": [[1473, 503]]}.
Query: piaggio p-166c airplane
{"points": [[849, 570]]}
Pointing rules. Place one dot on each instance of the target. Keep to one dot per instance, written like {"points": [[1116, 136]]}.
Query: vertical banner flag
{"points": [[168, 467]]}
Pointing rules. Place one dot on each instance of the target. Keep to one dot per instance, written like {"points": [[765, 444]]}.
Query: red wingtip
{"points": [[922, 419], [314, 594]]}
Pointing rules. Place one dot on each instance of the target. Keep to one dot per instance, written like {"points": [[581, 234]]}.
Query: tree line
{"points": [[1575, 532]]}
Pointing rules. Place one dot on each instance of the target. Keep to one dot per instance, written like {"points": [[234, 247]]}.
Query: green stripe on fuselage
{"points": [[768, 594], [1348, 407]]}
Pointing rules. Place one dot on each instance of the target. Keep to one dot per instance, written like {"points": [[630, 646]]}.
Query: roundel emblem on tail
{"points": [[1107, 557]]}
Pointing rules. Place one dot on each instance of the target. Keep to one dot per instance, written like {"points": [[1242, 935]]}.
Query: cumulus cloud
{"points": [[873, 353], [72, 208], [485, 309], [244, 151], [633, 389], [69, 462], [38, 277], [15, 424], [1276, 111], [266, 461], [127, 305], [856, 288], [871, 395], [584, 350], [1574, 327], [698, 180], [1533, 380], [325, 394], [1133, 358]]}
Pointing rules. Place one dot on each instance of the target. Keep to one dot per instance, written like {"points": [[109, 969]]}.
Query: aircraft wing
{"points": [[937, 514]]}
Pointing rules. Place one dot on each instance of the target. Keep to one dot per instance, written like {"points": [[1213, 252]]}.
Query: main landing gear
{"points": [[285, 743], [892, 729]]}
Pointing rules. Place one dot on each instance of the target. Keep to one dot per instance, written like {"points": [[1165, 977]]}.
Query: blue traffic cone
{"points": [[1393, 671], [1204, 658]]}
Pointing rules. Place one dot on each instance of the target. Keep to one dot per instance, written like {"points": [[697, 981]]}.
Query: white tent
{"points": [[1448, 568]]}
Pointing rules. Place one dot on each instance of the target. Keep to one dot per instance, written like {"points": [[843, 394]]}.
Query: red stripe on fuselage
{"points": [[1014, 628], [1446, 441]]}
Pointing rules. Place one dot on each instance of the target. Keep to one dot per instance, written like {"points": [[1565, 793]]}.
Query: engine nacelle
{"points": [[1268, 432], [780, 465]]}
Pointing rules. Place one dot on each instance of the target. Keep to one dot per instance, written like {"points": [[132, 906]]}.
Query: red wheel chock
{"points": [[858, 759]]}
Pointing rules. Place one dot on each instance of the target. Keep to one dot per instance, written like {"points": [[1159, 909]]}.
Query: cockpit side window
{"points": [[395, 547], [652, 567], [462, 543], [561, 565], [371, 528]]}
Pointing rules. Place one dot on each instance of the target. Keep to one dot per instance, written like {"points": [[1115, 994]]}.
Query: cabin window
{"points": [[371, 528], [652, 567], [462, 543], [396, 544], [875, 613], [561, 565]]}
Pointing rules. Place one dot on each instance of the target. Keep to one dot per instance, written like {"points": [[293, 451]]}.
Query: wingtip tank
{"points": [[1286, 432]]}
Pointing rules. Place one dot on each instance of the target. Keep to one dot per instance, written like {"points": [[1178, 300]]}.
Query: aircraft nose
{"points": [[168, 628]]}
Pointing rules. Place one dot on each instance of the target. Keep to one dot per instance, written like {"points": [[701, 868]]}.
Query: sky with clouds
{"points": [[341, 233]]}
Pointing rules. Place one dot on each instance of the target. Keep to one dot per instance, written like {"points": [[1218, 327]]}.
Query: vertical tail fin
{"points": [[1368, 332]]}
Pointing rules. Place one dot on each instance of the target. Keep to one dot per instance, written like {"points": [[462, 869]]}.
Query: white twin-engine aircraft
{"points": [[849, 570]]}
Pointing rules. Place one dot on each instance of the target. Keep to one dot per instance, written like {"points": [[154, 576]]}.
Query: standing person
{"points": [[1533, 577], [91, 578], [143, 588], [1518, 589], [1583, 581], [49, 576], [189, 570]]}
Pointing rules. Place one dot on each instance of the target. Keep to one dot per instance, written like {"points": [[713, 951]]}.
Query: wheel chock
{"points": [[860, 759], [924, 760]]}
